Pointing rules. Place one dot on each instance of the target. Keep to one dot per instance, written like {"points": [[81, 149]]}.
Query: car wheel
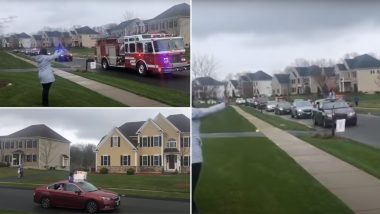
{"points": [[141, 68], [45, 203], [105, 64], [91, 207]]}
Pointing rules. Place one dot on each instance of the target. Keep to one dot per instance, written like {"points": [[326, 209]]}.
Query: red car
{"points": [[78, 195]]}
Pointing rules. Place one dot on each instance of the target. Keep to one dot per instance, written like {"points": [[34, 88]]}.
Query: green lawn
{"points": [[227, 120], [9, 62], [169, 96], [82, 51], [374, 111], [26, 92], [362, 156], [155, 186], [252, 175], [54, 64], [366, 100], [276, 121]]}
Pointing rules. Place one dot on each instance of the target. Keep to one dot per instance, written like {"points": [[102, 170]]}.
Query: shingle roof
{"points": [[341, 67], [308, 71], [282, 78], [329, 71], [124, 24], [129, 129], [207, 81], [363, 61], [85, 30], [244, 78], [259, 75], [177, 10], [37, 37], [235, 83], [22, 36], [53, 33], [40, 130], [180, 121]]}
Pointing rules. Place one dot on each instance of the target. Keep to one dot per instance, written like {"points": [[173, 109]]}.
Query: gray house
{"points": [[280, 84]]}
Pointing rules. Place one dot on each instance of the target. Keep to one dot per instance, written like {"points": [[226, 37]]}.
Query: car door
{"points": [[56, 195], [71, 198]]}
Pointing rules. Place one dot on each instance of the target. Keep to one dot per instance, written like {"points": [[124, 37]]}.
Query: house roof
{"points": [[66, 34], [73, 32], [177, 10], [85, 30], [244, 78], [282, 78], [308, 71], [39, 130], [22, 36], [53, 33], [129, 129], [180, 121], [363, 61], [207, 81], [341, 67], [235, 83], [259, 76], [329, 71], [37, 37], [125, 24]]}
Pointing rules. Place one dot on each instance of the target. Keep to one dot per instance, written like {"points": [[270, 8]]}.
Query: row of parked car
{"points": [[65, 55], [323, 112]]}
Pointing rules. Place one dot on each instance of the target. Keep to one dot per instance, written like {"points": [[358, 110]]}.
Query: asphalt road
{"points": [[178, 81], [22, 200], [366, 131]]}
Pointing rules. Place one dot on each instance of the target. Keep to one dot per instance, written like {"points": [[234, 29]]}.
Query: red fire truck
{"points": [[161, 53]]}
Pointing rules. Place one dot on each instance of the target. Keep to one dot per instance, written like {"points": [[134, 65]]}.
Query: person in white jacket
{"points": [[197, 159], [45, 73]]}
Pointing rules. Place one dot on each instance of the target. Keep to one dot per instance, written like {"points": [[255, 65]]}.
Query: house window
{"points": [[105, 160], [145, 160], [186, 141], [144, 142], [20, 144], [7, 158], [65, 160], [29, 158], [156, 160], [186, 161], [34, 143], [115, 141], [29, 144], [7, 145], [156, 141], [34, 158], [12, 145], [125, 160], [172, 143], [175, 23]]}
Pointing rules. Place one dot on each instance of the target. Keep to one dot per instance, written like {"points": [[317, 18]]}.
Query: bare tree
{"points": [[350, 55], [46, 149], [129, 15], [301, 62], [203, 66]]}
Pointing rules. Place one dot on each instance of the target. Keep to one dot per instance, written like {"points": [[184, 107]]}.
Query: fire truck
{"points": [[162, 53]]}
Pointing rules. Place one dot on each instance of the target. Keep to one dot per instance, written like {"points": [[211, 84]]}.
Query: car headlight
{"points": [[106, 198], [299, 110], [351, 114]]}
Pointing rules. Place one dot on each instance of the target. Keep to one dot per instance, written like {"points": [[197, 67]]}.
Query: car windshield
{"points": [[331, 105], [168, 45], [303, 104], [87, 187], [284, 105]]}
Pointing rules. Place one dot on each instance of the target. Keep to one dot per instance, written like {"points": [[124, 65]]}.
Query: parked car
{"points": [[249, 102], [283, 108], [65, 56], [329, 110], [301, 109], [34, 51], [262, 102], [78, 195], [240, 101], [270, 106]]}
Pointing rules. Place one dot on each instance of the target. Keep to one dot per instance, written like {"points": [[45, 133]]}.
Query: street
{"points": [[22, 200]]}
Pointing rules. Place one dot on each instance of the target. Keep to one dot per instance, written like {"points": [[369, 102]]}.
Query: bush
{"points": [[130, 171], [103, 170], [4, 164]]}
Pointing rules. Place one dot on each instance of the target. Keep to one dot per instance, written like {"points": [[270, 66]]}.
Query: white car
{"points": [[240, 101]]}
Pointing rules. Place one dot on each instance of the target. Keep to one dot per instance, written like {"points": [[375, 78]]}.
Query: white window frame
{"points": [[188, 141], [158, 141], [113, 142], [105, 161], [146, 143], [125, 156], [154, 160], [168, 144], [147, 157], [65, 161]]}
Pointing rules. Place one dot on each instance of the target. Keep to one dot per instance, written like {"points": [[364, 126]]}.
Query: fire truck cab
{"points": [[160, 53]]}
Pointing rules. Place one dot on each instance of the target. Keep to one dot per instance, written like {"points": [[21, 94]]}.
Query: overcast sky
{"points": [[33, 15], [269, 35], [79, 125]]}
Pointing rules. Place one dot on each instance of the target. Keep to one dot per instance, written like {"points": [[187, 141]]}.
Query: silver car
{"points": [[302, 109]]}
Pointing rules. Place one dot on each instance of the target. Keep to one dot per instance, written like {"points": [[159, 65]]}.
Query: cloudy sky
{"points": [[33, 15], [269, 35], [79, 125]]}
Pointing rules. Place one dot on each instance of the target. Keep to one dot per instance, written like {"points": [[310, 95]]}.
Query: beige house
{"points": [[280, 84], [36, 146], [305, 80], [361, 73], [83, 37], [159, 145], [175, 20], [129, 27]]}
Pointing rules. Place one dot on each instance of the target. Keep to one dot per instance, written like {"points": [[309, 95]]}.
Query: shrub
{"points": [[4, 164], [103, 170], [130, 171]]}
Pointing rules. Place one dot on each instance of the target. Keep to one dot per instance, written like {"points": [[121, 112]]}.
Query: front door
{"points": [[172, 159], [16, 159]]}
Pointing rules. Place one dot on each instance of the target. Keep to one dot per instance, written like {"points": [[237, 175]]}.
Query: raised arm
{"points": [[198, 113], [53, 56]]}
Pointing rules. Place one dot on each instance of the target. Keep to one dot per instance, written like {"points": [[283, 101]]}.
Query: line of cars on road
{"points": [[65, 55], [323, 112]]}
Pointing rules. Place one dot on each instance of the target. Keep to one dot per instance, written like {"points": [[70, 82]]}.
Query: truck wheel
{"points": [[141, 68], [105, 64]]}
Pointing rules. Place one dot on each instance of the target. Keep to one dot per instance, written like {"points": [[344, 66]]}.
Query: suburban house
{"points": [[175, 20], [159, 145], [129, 27], [245, 86], [36, 41], [208, 88], [329, 79], [280, 84], [5, 42], [232, 88], [305, 80], [254, 84], [361, 73], [51, 38], [36, 146], [25, 41], [83, 37]]}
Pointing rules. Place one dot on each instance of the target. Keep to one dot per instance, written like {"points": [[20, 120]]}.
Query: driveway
{"points": [[22, 200]]}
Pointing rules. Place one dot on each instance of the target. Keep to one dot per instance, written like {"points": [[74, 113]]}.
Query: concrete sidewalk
{"points": [[122, 96], [357, 189]]}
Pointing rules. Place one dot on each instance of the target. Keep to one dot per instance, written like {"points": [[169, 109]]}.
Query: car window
{"points": [[87, 186], [71, 188]]}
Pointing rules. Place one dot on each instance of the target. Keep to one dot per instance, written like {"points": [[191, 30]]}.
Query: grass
{"points": [[26, 92], [362, 156], [169, 96], [276, 120], [53, 63], [227, 120], [374, 111], [252, 175], [82, 51], [9, 62], [167, 186]]}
